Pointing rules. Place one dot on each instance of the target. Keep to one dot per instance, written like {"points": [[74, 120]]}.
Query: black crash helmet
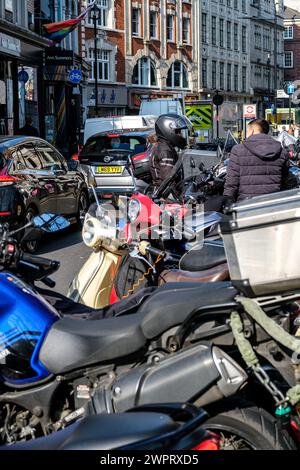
{"points": [[170, 127]]}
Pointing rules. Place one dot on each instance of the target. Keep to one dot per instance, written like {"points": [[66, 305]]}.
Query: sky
{"points": [[293, 4]]}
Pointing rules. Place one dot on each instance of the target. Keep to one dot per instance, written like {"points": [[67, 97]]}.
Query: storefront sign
{"points": [[10, 45], [59, 57]]}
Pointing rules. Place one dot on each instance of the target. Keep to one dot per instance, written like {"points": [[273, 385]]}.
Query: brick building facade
{"points": [[292, 44], [146, 48]]}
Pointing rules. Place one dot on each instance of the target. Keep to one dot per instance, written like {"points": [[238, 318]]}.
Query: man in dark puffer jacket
{"points": [[258, 166]]}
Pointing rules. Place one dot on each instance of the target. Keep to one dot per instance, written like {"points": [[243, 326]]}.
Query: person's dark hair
{"points": [[29, 120], [261, 124]]}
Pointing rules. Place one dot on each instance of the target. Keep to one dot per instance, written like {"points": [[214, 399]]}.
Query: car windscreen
{"points": [[116, 146]]}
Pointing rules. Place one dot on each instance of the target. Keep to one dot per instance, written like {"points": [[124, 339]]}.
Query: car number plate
{"points": [[110, 169]]}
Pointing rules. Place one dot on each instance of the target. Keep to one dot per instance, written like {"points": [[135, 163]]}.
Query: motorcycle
{"points": [[159, 427], [167, 345]]}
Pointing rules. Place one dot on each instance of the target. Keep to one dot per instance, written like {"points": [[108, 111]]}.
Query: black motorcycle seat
{"points": [[105, 432], [73, 342], [172, 303], [206, 257]]}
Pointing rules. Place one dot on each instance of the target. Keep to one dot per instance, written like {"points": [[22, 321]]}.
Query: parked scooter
{"points": [[110, 273], [56, 369]]}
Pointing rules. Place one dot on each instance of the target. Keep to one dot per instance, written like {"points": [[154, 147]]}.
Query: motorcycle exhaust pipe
{"points": [[201, 374]]}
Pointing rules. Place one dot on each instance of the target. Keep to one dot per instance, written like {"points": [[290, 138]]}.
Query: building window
{"points": [[244, 39], [228, 77], [204, 28], [103, 12], [228, 34], [204, 73], [144, 73], [177, 76], [214, 30], [186, 31], [244, 79], [236, 36], [236, 78], [214, 74], [288, 32], [221, 32], [103, 64], [153, 24], [289, 60], [135, 15], [170, 27], [222, 65]]}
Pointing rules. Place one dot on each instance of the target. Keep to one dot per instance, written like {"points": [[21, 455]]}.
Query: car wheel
{"points": [[31, 247], [83, 206]]}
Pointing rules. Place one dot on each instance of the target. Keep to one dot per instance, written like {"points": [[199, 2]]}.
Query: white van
{"points": [[96, 125], [161, 106]]}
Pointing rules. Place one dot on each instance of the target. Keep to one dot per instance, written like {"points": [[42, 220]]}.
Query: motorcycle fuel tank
{"points": [[25, 319]]}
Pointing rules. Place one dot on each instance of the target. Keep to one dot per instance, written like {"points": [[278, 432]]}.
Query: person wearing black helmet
{"points": [[169, 132]]}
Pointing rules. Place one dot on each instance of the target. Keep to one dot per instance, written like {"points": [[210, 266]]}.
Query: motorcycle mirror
{"points": [[50, 223], [202, 167]]}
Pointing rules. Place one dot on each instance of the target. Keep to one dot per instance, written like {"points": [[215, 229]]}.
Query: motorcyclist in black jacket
{"points": [[169, 131]]}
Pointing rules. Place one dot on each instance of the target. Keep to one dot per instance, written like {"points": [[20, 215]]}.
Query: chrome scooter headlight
{"points": [[88, 231], [95, 231], [134, 209]]}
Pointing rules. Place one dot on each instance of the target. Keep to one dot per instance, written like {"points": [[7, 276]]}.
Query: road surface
{"points": [[72, 253]]}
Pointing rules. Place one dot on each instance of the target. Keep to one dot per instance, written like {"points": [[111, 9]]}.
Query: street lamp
{"points": [[96, 17]]}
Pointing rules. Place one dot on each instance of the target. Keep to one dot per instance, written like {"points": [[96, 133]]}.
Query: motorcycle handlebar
{"points": [[145, 247], [41, 262]]}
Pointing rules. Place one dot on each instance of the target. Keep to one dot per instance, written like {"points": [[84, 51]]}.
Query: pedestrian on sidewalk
{"points": [[258, 166], [29, 129]]}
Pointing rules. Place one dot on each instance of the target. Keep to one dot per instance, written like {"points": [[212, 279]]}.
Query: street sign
{"points": [[23, 76], [218, 100], [249, 111], [282, 94], [75, 76], [291, 88]]}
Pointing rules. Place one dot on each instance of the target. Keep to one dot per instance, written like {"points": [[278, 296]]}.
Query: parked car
{"points": [[106, 158], [35, 178]]}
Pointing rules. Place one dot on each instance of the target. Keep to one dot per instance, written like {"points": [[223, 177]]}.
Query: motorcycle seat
{"points": [[171, 304], [217, 274], [72, 342], [206, 257], [104, 432]]}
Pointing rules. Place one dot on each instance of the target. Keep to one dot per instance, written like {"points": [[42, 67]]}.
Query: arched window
{"points": [[144, 73], [177, 76]]}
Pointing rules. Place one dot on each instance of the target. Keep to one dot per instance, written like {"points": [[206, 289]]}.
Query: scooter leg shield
{"points": [[186, 376]]}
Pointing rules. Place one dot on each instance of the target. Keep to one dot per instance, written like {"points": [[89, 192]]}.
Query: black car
{"points": [[106, 157], [35, 178]]}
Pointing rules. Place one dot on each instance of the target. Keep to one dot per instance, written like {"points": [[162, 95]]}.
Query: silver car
{"points": [[105, 159]]}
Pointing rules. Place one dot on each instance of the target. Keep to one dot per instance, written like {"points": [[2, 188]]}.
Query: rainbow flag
{"points": [[56, 32]]}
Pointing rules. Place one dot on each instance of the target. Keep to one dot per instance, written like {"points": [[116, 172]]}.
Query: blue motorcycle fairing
{"points": [[25, 319]]}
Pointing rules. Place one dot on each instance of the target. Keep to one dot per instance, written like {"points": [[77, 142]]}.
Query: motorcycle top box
{"points": [[261, 239], [25, 319]]}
